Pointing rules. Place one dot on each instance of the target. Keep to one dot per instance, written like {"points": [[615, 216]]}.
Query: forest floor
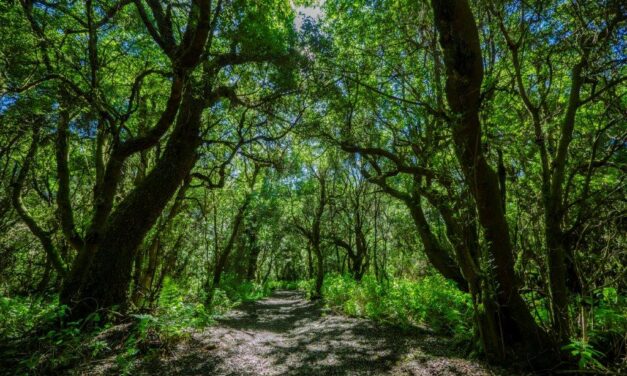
{"points": [[286, 334]]}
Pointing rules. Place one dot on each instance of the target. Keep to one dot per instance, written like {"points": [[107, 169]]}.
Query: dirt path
{"points": [[287, 335]]}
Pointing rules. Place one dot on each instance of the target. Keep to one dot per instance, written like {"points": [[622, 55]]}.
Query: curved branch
{"points": [[63, 174], [400, 165], [16, 199], [153, 136]]}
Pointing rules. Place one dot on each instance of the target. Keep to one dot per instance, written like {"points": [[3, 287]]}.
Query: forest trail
{"points": [[285, 334]]}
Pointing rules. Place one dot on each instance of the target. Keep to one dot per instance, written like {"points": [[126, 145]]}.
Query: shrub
{"points": [[431, 301], [586, 355], [284, 285], [607, 325], [177, 311], [21, 314]]}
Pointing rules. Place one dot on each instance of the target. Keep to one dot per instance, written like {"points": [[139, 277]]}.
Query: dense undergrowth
{"points": [[430, 301], [434, 302], [36, 338]]}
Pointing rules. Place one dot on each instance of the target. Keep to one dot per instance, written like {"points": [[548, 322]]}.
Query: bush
{"points": [[430, 301], [607, 325], [244, 290], [35, 337], [284, 285], [176, 310], [18, 315]]}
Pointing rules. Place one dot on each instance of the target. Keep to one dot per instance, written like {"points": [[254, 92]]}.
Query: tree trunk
{"points": [[552, 181], [459, 40], [222, 257], [251, 270], [253, 249], [460, 235], [435, 252], [319, 271], [556, 244], [361, 262], [316, 237], [108, 277], [45, 278], [310, 267], [147, 274]]}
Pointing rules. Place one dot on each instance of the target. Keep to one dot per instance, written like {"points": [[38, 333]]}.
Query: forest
{"points": [[313, 187]]}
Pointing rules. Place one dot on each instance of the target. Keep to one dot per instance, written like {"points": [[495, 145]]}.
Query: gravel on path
{"points": [[285, 334]]}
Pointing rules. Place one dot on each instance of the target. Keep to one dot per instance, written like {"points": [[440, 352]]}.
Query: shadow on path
{"points": [[286, 334]]}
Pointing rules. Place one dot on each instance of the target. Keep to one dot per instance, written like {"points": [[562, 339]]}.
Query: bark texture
{"points": [[459, 40], [107, 279]]}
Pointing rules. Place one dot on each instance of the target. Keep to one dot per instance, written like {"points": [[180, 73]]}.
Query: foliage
{"points": [[587, 357], [135, 339], [36, 336], [180, 153], [430, 301], [237, 291], [20, 315], [605, 325], [177, 310]]}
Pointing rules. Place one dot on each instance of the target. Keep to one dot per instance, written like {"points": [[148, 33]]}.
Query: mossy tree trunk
{"points": [[459, 40]]}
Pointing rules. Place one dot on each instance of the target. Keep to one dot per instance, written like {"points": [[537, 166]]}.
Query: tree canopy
{"points": [[226, 146]]}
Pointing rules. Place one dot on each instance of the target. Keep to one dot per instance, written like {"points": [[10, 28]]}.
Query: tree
{"points": [[313, 231], [381, 146], [194, 63]]}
